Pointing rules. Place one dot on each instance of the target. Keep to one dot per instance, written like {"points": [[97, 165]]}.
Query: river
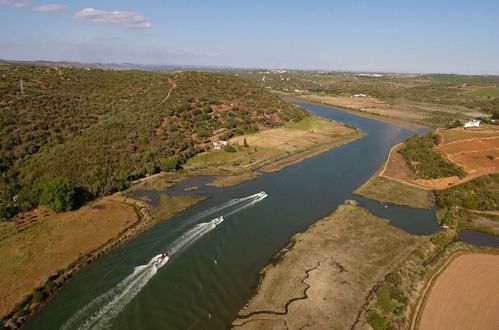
{"points": [[213, 268]]}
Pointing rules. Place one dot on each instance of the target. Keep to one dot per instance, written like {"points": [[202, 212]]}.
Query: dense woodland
{"points": [[479, 194], [419, 155], [96, 130]]}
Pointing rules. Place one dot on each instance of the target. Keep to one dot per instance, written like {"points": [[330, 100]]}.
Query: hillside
{"points": [[101, 129], [432, 100]]}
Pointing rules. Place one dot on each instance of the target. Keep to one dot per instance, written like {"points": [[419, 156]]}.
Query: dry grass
{"points": [[302, 135], [171, 205], [160, 181], [287, 145], [387, 190], [465, 295], [232, 180], [49, 242], [457, 134], [323, 277]]}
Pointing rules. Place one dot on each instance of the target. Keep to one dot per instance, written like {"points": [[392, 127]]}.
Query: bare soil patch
{"points": [[465, 295], [476, 150]]}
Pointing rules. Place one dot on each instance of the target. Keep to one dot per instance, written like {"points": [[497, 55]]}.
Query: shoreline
{"points": [[323, 288], [25, 309], [411, 126]]}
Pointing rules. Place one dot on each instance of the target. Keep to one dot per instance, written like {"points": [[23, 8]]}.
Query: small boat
{"points": [[261, 195], [160, 260], [218, 220]]}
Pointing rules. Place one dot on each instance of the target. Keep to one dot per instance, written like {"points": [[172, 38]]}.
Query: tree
{"points": [[245, 143], [455, 123], [58, 194], [170, 164], [495, 114], [229, 148]]}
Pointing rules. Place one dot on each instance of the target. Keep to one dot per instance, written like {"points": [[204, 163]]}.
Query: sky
{"points": [[445, 36]]}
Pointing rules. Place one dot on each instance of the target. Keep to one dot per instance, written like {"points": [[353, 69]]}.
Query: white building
{"points": [[219, 145], [472, 123]]}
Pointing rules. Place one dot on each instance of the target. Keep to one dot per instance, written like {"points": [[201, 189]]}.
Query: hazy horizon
{"points": [[353, 36]]}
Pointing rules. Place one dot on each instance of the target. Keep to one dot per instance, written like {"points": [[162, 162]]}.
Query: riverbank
{"points": [[323, 276], [272, 150], [396, 118], [352, 270], [44, 250], [19, 305]]}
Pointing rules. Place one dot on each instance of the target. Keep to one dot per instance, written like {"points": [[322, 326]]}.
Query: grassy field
{"points": [[277, 144], [486, 92], [453, 135], [388, 190], [232, 180], [42, 243], [322, 278], [171, 205]]}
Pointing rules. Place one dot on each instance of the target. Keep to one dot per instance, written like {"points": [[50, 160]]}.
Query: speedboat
{"points": [[160, 260], [218, 220], [261, 195]]}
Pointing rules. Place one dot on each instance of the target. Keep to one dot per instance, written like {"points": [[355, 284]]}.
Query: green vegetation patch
{"points": [[479, 194], [310, 123], [486, 92], [424, 161], [386, 190], [101, 129]]}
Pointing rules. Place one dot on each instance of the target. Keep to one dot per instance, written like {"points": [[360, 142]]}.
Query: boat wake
{"points": [[107, 306]]}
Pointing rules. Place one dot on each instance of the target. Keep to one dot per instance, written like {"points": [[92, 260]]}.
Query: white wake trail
{"points": [[224, 206], [116, 299], [108, 305]]}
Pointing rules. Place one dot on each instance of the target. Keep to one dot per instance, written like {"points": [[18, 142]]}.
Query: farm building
{"points": [[218, 145], [472, 123]]}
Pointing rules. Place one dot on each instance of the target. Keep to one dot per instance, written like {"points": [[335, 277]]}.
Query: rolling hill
{"points": [[100, 129]]}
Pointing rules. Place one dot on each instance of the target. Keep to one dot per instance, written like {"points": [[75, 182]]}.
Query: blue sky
{"points": [[377, 35]]}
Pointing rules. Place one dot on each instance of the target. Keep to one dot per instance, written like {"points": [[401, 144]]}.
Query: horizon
{"points": [[360, 36], [222, 67]]}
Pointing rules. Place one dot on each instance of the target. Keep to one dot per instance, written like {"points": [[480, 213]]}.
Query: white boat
{"points": [[160, 260], [218, 220], [261, 195]]}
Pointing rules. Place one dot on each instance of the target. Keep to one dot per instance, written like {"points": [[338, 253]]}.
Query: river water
{"points": [[213, 267]]}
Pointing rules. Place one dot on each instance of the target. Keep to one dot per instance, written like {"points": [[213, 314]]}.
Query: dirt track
{"points": [[465, 295]]}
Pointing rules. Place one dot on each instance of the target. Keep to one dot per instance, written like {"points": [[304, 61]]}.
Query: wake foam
{"points": [[107, 306]]}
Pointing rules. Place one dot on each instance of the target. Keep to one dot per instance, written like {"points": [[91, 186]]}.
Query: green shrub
{"points": [[101, 128], [481, 194], [385, 301], [58, 194], [170, 164], [229, 148], [425, 162], [376, 321]]}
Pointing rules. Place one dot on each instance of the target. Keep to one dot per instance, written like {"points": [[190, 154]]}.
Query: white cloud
{"points": [[50, 8], [16, 3], [125, 18]]}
